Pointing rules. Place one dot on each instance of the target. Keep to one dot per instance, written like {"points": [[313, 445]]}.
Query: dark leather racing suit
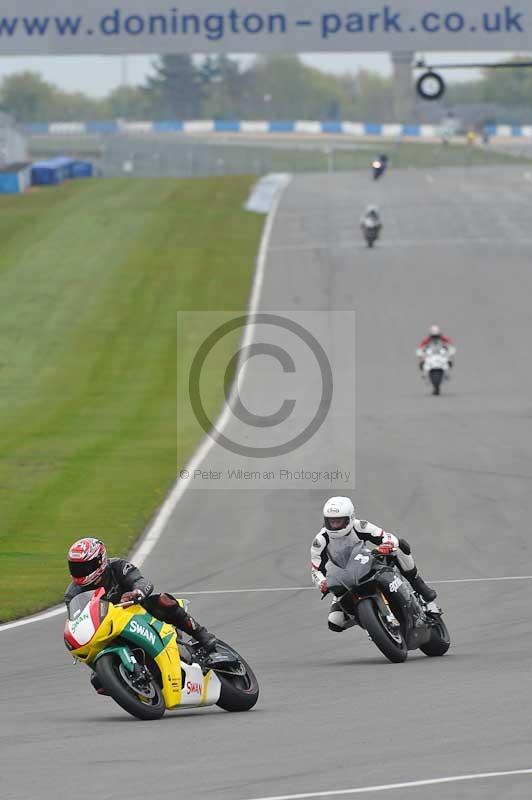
{"points": [[120, 576]]}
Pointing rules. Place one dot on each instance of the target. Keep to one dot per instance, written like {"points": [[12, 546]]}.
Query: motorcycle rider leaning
{"points": [[338, 523], [435, 338], [90, 569]]}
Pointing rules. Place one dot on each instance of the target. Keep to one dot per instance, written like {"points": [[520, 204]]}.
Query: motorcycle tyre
{"points": [[381, 638], [121, 694], [436, 378], [234, 698]]}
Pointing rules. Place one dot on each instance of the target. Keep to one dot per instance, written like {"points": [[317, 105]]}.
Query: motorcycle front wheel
{"points": [[436, 377], [391, 644], [144, 702]]}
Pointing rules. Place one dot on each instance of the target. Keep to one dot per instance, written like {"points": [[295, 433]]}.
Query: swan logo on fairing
{"points": [[142, 631], [75, 622]]}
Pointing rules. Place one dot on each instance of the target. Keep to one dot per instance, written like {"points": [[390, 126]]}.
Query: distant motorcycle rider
{"points": [[379, 166], [90, 569], [371, 219], [435, 338], [338, 523]]}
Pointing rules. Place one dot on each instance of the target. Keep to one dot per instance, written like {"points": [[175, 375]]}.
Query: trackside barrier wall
{"points": [[242, 126], [56, 170], [50, 172], [81, 169]]}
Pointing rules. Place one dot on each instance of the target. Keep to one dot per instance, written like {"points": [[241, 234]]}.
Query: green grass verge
{"points": [[91, 277]]}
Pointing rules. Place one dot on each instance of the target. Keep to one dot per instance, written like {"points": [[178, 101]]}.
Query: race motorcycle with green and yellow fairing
{"points": [[147, 666]]}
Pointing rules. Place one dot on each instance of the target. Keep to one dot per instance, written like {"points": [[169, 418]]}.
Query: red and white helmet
{"points": [[338, 516], [87, 560]]}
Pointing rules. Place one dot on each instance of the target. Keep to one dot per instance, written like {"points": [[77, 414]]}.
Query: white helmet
{"points": [[338, 516], [435, 330]]}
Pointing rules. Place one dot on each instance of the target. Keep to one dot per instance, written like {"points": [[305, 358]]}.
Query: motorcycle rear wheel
{"points": [[239, 692], [108, 670], [381, 637]]}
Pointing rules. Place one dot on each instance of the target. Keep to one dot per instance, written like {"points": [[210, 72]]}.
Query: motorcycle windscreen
{"points": [[85, 613], [78, 603], [351, 566], [81, 601], [340, 550]]}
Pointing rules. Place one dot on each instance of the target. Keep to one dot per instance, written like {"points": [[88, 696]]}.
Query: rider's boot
{"points": [[338, 620], [418, 584], [205, 638], [176, 615]]}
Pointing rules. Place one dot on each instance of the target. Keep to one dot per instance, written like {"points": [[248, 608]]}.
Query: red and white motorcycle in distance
{"points": [[436, 363]]}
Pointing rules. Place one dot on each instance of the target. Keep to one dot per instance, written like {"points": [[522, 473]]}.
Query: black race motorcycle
{"points": [[371, 590]]}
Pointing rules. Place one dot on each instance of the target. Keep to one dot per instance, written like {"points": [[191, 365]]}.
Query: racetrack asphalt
{"points": [[452, 474]]}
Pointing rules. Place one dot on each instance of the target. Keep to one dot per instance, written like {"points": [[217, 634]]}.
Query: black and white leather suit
{"points": [[324, 546]]}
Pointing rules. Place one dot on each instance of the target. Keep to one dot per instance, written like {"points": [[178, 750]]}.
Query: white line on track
{"points": [[153, 533], [387, 787], [54, 612], [311, 588], [248, 591], [394, 243], [485, 580]]}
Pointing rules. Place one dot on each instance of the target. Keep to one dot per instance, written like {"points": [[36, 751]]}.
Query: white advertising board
{"points": [[36, 27]]}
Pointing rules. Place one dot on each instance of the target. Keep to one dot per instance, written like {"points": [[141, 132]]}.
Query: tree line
{"points": [[273, 87]]}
